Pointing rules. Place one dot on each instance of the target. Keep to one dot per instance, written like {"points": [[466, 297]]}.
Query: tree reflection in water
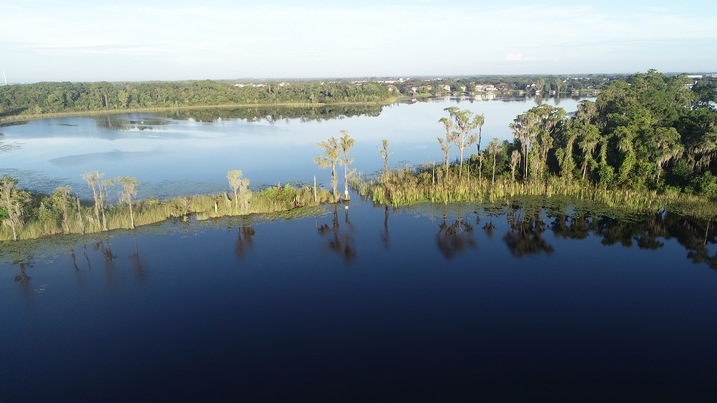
{"points": [[245, 240], [24, 264], [455, 238], [137, 260], [384, 233], [341, 242], [525, 235]]}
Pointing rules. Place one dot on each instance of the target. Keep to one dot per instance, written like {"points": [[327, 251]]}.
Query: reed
{"points": [[268, 201], [411, 186]]}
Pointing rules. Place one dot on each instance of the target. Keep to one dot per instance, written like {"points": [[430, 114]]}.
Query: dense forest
{"points": [[650, 133], [24, 100], [66, 97]]}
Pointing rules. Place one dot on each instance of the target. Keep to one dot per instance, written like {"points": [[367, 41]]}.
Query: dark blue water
{"points": [[368, 305]]}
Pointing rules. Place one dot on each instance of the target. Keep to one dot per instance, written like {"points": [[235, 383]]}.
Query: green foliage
{"points": [[65, 97]]}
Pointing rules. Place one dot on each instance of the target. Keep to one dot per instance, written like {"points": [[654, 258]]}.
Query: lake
{"points": [[192, 151], [527, 300]]}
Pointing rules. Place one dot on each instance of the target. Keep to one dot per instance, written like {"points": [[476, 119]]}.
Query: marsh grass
{"points": [[410, 186], [273, 200]]}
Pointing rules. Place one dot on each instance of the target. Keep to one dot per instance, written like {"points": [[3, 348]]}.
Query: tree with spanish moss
{"points": [[129, 190], [329, 160], [93, 181], [464, 124], [346, 142]]}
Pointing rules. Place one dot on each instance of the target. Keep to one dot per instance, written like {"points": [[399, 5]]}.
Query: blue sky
{"points": [[132, 40]]}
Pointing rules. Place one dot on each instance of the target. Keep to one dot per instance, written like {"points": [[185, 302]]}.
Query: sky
{"points": [[132, 40]]}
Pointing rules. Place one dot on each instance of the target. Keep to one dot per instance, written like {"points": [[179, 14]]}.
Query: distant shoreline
{"points": [[51, 115]]}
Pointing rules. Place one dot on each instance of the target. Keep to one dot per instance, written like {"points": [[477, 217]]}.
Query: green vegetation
{"points": [[275, 99], [31, 100], [29, 215], [646, 143]]}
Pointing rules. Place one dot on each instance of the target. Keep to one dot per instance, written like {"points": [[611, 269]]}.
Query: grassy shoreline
{"points": [[286, 201], [399, 188]]}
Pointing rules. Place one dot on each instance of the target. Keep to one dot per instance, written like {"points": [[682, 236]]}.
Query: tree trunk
{"points": [[131, 214]]}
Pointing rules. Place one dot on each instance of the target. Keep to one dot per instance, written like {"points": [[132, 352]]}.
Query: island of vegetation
{"points": [[647, 143]]}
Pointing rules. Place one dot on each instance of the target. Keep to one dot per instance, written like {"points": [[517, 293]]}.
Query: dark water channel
{"points": [[436, 303]]}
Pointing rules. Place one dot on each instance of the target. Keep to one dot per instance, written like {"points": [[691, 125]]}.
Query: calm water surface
{"points": [[369, 304], [439, 303]]}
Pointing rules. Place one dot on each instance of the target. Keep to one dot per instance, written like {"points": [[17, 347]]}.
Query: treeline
{"points": [[67, 97], [509, 85], [649, 137]]}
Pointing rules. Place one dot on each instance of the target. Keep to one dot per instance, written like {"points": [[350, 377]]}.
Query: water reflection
{"points": [[384, 232], [22, 278], [454, 238], [245, 240], [340, 241], [273, 114], [525, 228], [525, 234], [137, 261], [131, 122]]}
